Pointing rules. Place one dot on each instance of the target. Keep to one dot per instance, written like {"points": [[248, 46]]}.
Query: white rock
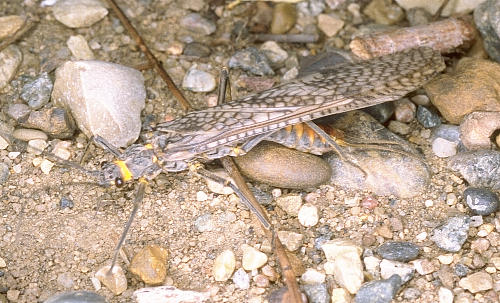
{"points": [[115, 281], [79, 48], [274, 52], [224, 266], [291, 240], [10, 59], [46, 166], [340, 295], [389, 267], [445, 295], [290, 204], [252, 258], [79, 13], [347, 267], [9, 25], [198, 81], [312, 276], [106, 99], [308, 215], [169, 294], [444, 148]]}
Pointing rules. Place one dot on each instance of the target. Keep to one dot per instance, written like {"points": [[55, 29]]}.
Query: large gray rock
{"points": [[106, 99]]}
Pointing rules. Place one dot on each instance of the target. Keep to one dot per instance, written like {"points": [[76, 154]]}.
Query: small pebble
{"points": [[411, 294], [10, 58], [389, 268], [340, 295], [347, 267], [308, 215], [283, 18], [241, 279], [204, 223], [169, 294], [316, 292], [224, 266], [251, 60], [261, 281], [384, 12], [421, 100], [461, 270], [405, 110], [18, 111], [291, 240], [4, 172], [115, 281], [428, 118], [197, 24], [425, 266], [312, 276], [330, 25], [443, 148], [217, 187], [445, 295], [150, 264], [476, 282], [252, 258], [398, 251], [79, 13], [478, 168], [274, 52], [481, 200], [291, 204], [445, 259], [381, 291], [198, 81], [399, 127], [452, 234], [195, 49], [201, 196], [66, 203], [477, 129], [9, 25], [46, 166], [37, 146], [79, 48]]}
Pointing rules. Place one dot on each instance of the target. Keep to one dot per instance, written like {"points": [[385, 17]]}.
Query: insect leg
{"points": [[333, 144], [137, 203]]}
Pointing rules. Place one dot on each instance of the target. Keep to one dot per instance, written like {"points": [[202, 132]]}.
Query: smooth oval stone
{"points": [[481, 201], [391, 166], [398, 251], [280, 166]]}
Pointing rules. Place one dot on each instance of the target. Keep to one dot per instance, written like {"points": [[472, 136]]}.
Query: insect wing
{"points": [[343, 88]]}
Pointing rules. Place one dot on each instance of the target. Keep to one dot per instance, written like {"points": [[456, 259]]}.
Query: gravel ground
{"points": [[48, 249]]}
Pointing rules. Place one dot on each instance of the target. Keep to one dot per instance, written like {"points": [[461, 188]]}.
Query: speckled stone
{"points": [[398, 251], [452, 234], [481, 200]]}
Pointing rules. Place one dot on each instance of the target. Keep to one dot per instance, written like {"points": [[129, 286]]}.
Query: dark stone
{"points": [[4, 172], [195, 49], [427, 117], [381, 112], [251, 60], [37, 92], [487, 19], [381, 291], [81, 296], [451, 235], [481, 201], [321, 62], [461, 270], [66, 203], [398, 251], [316, 293], [448, 132], [479, 168]]}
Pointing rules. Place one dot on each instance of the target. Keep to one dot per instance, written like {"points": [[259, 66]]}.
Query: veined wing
{"points": [[343, 88]]}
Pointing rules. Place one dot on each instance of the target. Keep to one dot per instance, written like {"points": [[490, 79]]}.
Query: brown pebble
{"points": [[279, 166], [473, 86], [405, 110], [284, 18], [54, 121], [368, 240], [261, 280], [477, 128], [150, 264]]}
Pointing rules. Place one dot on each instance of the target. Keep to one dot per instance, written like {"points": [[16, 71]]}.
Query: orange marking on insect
{"points": [[125, 172]]}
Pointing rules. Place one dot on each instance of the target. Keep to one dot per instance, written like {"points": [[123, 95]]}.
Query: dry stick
{"points": [[157, 66], [288, 274], [9, 40], [444, 36]]}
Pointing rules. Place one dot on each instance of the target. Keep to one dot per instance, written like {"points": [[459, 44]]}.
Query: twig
{"points": [[156, 64], [288, 38]]}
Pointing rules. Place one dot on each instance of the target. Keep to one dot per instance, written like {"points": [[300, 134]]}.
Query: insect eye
{"points": [[118, 182]]}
